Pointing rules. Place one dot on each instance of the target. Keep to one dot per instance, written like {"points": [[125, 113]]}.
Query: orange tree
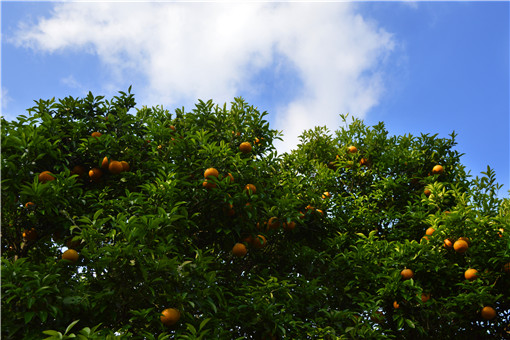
{"points": [[140, 223]]}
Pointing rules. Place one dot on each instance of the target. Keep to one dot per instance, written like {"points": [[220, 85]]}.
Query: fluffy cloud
{"points": [[185, 51]]}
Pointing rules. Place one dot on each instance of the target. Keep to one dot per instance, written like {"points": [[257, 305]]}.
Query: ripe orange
{"points": [[465, 239], [30, 234], [425, 297], [396, 305], [170, 316], [448, 243], [208, 185], [28, 204], [427, 192], [115, 167], [430, 231], [104, 163], [239, 250], [79, 170], [363, 162], [273, 223], [172, 127], [229, 210], [460, 246], [352, 149], [488, 313], [230, 177], [437, 170], [406, 274], [96, 134], [289, 226], [71, 255], [326, 194], [211, 172], [247, 239], [95, 174], [259, 242], [250, 189], [471, 274], [257, 140], [46, 176], [245, 147], [125, 166], [506, 267]]}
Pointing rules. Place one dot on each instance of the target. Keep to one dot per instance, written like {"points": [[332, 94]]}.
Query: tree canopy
{"points": [[125, 222]]}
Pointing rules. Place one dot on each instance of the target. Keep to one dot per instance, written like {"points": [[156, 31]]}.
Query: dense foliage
{"points": [[314, 249]]}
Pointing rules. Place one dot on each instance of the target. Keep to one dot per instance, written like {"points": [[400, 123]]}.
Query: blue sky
{"points": [[431, 67]]}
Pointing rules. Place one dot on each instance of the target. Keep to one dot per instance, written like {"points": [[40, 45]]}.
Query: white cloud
{"points": [[6, 99], [187, 51]]}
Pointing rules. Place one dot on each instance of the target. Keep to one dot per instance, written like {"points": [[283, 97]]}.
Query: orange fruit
{"points": [[326, 194], [211, 172], [425, 297], [239, 250], [465, 239], [471, 274], [78, 170], [259, 242], [448, 243], [95, 174], [437, 170], [406, 274], [396, 305], [230, 178], [250, 189], [273, 223], [46, 176], [289, 226], [506, 267], [104, 163], [430, 231], [352, 149], [245, 147], [488, 313], [172, 127], [115, 167], [363, 162], [30, 234], [125, 166], [28, 204], [208, 185], [96, 134], [257, 140], [229, 210], [71, 255], [427, 192], [170, 316], [460, 246], [247, 239]]}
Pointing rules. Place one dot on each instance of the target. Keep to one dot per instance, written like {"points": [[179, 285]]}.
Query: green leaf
{"points": [[28, 316]]}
